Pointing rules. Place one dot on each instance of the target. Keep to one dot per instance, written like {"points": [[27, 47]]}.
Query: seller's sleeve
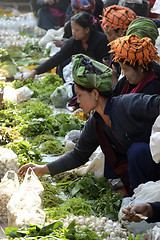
{"points": [[86, 145], [156, 212], [65, 53]]}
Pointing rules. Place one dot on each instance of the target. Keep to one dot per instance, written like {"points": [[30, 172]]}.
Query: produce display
{"points": [[76, 207]]}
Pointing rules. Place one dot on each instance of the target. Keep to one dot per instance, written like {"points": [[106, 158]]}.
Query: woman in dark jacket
{"points": [[85, 40], [117, 123]]}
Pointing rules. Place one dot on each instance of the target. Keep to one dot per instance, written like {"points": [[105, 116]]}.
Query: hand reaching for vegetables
{"points": [[39, 170], [30, 75], [137, 212]]}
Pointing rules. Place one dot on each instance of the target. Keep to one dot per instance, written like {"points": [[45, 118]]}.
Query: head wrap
{"points": [[117, 17], [91, 74], [143, 27], [132, 49], [86, 5]]}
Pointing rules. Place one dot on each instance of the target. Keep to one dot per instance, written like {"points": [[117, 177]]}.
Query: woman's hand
{"points": [[29, 75], [131, 212], [39, 170]]}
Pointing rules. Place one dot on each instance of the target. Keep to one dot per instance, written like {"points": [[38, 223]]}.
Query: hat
{"points": [[89, 73], [143, 27], [132, 49], [117, 16]]}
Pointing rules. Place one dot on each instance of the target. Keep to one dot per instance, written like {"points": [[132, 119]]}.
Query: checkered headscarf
{"points": [[132, 49], [117, 17]]}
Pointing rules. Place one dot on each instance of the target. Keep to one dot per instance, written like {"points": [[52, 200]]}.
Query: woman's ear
{"points": [[87, 30], [120, 32], [95, 93]]}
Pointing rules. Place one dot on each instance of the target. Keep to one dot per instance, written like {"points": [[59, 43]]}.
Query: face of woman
{"points": [[78, 32], [112, 34], [134, 76], [87, 100]]}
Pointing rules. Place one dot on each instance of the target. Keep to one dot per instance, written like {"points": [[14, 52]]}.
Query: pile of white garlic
{"points": [[8, 161], [8, 186], [101, 225], [11, 39]]}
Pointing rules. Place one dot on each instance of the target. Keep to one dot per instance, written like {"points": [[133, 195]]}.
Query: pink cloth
{"points": [[59, 15]]}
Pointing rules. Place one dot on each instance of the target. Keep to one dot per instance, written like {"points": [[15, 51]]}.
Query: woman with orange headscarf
{"points": [[136, 58], [115, 22]]}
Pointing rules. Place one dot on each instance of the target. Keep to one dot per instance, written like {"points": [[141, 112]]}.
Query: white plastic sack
{"points": [[59, 97], [67, 72], [17, 95], [23, 94], [8, 186], [155, 141], [51, 35], [94, 165], [147, 192], [10, 94], [135, 1], [25, 202], [8, 161], [156, 7]]}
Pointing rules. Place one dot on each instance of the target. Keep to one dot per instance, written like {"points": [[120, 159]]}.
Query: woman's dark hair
{"points": [[150, 65], [83, 19], [106, 94]]}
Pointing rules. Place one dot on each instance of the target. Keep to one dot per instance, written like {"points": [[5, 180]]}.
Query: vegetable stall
{"points": [[75, 207]]}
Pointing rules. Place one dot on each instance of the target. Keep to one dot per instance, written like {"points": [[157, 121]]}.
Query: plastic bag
{"points": [[135, 1], [148, 192], [10, 94], [23, 94], [25, 202], [155, 141], [51, 35], [67, 73], [94, 165], [59, 97], [17, 95], [8, 161], [156, 7], [8, 186]]}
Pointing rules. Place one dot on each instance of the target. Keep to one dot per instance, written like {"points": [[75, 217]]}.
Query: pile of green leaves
{"points": [[53, 147], [42, 88], [4, 55], [75, 206], [34, 109], [67, 123], [50, 196], [97, 193], [9, 115], [25, 152], [53, 231]]}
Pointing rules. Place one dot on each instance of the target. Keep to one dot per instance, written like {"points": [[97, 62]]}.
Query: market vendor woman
{"points": [[117, 123], [85, 40]]}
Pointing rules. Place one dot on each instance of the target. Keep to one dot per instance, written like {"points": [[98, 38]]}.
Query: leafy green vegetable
{"points": [[50, 196], [76, 206], [25, 152], [52, 147]]}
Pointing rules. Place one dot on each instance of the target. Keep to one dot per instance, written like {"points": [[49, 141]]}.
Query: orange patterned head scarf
{"points": [[134, 50], [117, 17]]}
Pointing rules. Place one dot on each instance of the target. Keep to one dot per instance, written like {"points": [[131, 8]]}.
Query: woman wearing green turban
{"points": [[143, 27], [114, 125]]}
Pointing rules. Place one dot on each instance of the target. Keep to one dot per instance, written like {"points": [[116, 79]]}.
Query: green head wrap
{"points": [[91, 74], [143, 27]]}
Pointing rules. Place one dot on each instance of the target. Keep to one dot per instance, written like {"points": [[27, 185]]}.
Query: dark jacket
{"points": [[132, 117], [97, 49], [156, 212]]}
